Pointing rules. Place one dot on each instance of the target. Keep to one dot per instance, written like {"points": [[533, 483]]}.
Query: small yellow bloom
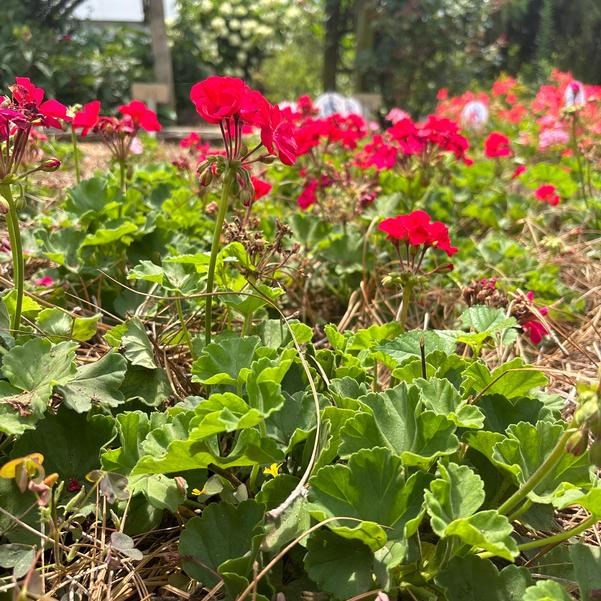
{"points": [[32, 464], [273, 470], [197, 492]]}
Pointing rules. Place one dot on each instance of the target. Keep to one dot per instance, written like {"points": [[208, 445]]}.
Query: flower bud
{"points": [[577, 443], [211, 208], [206, 177], [50, 165]]}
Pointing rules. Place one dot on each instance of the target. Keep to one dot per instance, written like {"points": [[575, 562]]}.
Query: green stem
{"points": [[558, 538], [247, 325], [539, 475], [182, 320], [520, 511], [75, 155], [576, 151], [14, 234], [407, 289], [228, 181], [122, 177]]}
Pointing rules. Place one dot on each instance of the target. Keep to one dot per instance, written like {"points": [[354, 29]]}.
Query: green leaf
{"points": [[30, 307], [457, 493], [87, 199], [151, 386], [443, 398], [36, 367], [223, 542], [109, 235], [17, 557], [473, 579], [85, 328], [221, 361], [371, 488], [500, 412], [510, 380], [486, 319], [69, 441], [137, 345], [56, 324], [395, 419], [487, 530], [525, 449], [191, 454], [546, 590], [96, 384], [147, 271], [408, 345], [586, 560], [339, 566]]}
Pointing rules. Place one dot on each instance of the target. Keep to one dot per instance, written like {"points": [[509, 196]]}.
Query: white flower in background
{"points": [[205, 6], [218, 24], [240, 11], [234, 39], [242, 56], [474, 115], [248, 26], [136, 146], [263, 31], [574, 94], [225, 9], [234, 24]]}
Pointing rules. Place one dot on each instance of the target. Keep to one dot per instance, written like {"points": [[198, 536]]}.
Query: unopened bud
{"points": [[211, 208], [267, 159], [206, 177], [577, 443], [50, 165]]}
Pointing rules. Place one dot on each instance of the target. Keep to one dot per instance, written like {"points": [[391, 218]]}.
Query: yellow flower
{"points": [[197, 492], [32, 464], [273, 470]]}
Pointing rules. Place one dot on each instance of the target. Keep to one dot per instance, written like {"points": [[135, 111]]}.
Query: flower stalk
{"points": [[226, 191], [75, 154], [16, 247], [540, 474]]}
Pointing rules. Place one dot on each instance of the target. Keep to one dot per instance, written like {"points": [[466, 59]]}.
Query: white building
{"points": [[118, 11]]}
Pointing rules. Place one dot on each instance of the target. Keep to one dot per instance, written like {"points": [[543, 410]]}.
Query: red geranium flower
{"points": [[141, 115], [416, 229], [547, 193], [87, 118], [261, 187], [278, 137], [29, 99], [218, 98], [308, 195], [536, 331], [496, 145], [518, 171]]}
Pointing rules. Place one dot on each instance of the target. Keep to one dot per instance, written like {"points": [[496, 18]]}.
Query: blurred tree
{"points": [[538, 34], [50, 13]]}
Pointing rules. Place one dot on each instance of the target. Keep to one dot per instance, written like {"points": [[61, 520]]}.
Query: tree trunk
{"points": [[331, 46], [163, 68], [364, 35]]}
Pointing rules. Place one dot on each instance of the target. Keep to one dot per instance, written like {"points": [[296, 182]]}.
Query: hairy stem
{"points": [[182, 321], [228, 181], [539, 475], [558, 538], [75, 154], [14, 234]]}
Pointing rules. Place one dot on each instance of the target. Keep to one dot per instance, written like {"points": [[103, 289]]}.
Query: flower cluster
{"points": [[497, 145], [547, 193], [231, 104], [19, 115], [416, 229], [426, 140], [119, 134]]}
